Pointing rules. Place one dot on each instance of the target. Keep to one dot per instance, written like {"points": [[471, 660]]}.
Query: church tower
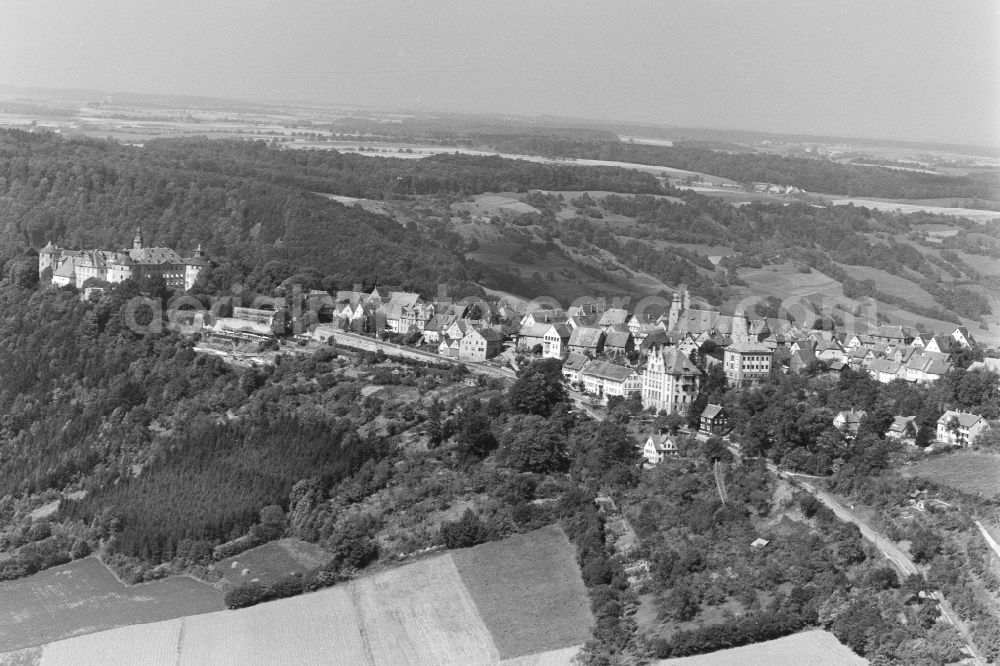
{"points": [[740, 334], [675, 312], [137, 241]]}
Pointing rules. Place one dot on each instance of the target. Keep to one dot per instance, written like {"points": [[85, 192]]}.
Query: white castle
{"points": [[75, 267]]}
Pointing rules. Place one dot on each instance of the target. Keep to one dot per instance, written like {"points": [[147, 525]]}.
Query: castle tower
{"points": [[194, 266], [48, 258], [685, 297], [137, 241]]}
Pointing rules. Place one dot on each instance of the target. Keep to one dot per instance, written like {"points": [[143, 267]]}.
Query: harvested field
{"points": [[562, 657], [525, 582], [422, 614], [83, 597], [319, 628], [785, 280], [153, 644], [809, 648], [271, 561], [969, 472]]}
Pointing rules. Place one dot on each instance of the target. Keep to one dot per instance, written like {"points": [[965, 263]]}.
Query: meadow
{"points": [[271, 561], [518, 602], [969, 472]]}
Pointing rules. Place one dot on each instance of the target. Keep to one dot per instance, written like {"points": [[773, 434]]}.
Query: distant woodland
{"points": [[812, 174]]}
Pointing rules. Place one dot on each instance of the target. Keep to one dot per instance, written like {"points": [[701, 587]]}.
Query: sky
{"points": [[894, 69]]}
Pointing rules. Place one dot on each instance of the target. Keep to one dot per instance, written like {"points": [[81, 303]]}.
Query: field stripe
{"points": [[315, 629], [422, 614], [152, 644], [807, 648], [528, 591], [561, 657]]}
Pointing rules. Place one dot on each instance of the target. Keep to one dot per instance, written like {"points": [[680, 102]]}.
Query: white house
{"points": [[658, 447], [605, 380], [555, 341], [959, 428], [849, 421], [903, 428]]}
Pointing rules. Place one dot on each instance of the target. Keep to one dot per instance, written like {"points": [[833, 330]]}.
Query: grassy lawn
{"points": [[969, 472], [528, 591]]}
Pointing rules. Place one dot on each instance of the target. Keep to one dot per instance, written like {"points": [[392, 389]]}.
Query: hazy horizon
{"points": [[885, 70]]}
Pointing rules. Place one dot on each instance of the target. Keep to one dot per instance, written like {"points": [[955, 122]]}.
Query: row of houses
{"points": [[954, 427]]}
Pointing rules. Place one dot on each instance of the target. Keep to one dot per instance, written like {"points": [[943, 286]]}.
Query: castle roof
{"points": [[154, 255]]}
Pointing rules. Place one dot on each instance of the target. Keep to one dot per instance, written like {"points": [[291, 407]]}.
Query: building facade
{"points": [[75, 267], [671, 380]]}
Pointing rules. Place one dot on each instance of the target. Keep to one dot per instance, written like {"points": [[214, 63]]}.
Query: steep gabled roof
{"points": [[534, 330], [562, 330], [712, 411], [900, 424], [965, 419], [488, 334], [891, 332], [67, 269], [676, 362], [587, 337], [613, 316], [575, 362], [617, 339], [657, 338]]}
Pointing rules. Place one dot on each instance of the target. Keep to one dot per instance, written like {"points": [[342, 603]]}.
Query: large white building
{"points": [[671, 381], [959, 428], [605, 380], [75, 267]]}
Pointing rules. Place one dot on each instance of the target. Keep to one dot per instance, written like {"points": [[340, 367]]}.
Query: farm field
{"points": [[271, 561], [428, 612], [785, 280], [809, 648], [84, 597], [523, 583], [969, 472]]}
